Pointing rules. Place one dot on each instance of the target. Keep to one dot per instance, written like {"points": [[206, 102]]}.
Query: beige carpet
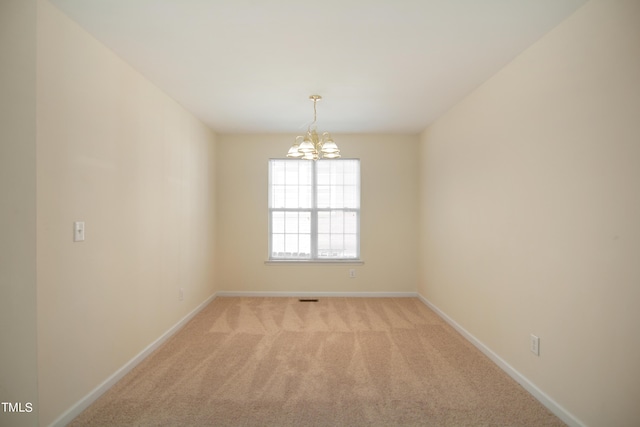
{"points": [[335, 362]]}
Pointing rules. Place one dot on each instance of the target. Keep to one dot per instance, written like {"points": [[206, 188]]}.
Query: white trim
{"points": [[84, 403], [318, 294], [314, 262], [541, 396]]}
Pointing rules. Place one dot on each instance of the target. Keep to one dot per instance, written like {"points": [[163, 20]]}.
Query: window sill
{"points": [[314, 262]]}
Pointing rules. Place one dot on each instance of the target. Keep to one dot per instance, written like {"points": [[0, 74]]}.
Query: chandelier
{"points": [[314, 146]]}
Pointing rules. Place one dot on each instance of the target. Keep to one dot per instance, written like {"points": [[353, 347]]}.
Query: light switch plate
{"points": [[535, 345], [78, 231]]}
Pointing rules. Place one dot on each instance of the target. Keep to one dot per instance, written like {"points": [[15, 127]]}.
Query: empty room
{"points": [[294, 213]]}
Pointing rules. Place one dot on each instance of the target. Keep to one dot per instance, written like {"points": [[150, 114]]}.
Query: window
{"points": [[314, 209]]}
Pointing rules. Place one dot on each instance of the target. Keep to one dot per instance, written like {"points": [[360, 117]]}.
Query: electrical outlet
{"points": [[535, 345], [181, 294], [352, 273]]}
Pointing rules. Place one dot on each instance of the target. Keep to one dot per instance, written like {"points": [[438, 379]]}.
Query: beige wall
{"points": [[530, 213], [117, 153], [526, 195], [389, 171], [18, 336]]}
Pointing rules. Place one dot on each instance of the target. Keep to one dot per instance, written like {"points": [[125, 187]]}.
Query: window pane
{"points": [[336, 174], [338, 184], [324, 245], [350, 246], [350, 223], [337, 200], [277, 173], [305, 245], [277, 222], [324, 196], [291, 222], [304, 226], [323, 172], [304, 177], [324, 222], [292, 170], [291, 197], [291, 244], [337, 241], [277, 245], [277, 195], [351, 197], [337, 222], [305, 200], [350, 177]]}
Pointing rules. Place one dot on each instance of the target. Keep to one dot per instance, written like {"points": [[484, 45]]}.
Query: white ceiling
{"points": [[388, 66]]}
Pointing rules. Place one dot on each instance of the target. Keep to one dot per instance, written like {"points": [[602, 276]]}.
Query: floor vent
{"points": [[308, 300]]}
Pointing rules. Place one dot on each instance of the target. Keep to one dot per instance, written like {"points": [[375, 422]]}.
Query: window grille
{"points": [[314, 209]]}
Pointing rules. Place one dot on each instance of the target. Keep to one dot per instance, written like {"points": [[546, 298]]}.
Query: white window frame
{"points": [[314, 210]]}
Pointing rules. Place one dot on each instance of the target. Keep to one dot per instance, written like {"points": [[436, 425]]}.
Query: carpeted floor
{"points": [[335, 362]]}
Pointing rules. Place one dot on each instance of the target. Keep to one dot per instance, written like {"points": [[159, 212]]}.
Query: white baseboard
{"points": [[542, 397], [318, 294], [84, 403]]}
